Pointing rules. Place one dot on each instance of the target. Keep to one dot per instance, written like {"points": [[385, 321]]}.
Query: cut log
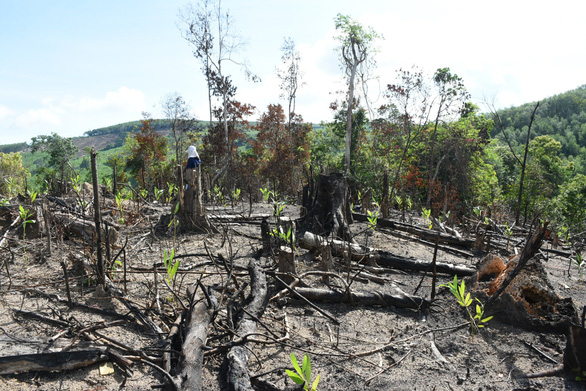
{"points": [[397, 298], [238, 356], [310, 241], [409, 263]]}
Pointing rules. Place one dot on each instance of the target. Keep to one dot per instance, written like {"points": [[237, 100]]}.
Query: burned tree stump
{"points": [[192, 213], [328, 211], [521, 293]]}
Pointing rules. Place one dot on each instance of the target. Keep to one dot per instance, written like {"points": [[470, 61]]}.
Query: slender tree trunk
{"points": [[523, 166], [98, 220], [349, 117]]}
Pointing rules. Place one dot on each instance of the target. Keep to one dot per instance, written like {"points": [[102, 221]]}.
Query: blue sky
{"points": [[72, 66]]}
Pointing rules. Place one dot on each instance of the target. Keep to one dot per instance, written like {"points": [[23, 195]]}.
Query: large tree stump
{"points": [[328, 211], [192, 213]]}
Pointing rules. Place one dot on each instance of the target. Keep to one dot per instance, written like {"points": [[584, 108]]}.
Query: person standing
{"points": [[193, 159]]}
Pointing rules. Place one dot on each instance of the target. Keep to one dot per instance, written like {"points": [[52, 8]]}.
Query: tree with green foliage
{"points": [[13, 175], [403, 119], [570, 204], [451, 96], [356, 55], [60, 151]]}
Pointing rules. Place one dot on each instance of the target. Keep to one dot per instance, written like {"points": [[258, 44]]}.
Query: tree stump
{"points": [[329, 212], [529, 301], [287, 263], [192, 213]]}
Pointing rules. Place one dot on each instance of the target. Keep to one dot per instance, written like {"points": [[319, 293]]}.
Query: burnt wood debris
{"points": [[215, 307]]}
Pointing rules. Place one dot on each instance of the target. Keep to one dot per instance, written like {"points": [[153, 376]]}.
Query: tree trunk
{"points": [[518, 211], [192, 213], [349, 116], [98, 221], [329, 211]]}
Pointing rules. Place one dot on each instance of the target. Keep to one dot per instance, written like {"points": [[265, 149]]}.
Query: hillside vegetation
{"points": [[475, 162]]}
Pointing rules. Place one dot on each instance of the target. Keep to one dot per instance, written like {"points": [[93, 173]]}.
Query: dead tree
{"points": [[98, 220], [328, 211]]}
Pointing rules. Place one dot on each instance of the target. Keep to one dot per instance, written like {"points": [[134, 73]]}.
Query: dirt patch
{"points": [[371, 347]]}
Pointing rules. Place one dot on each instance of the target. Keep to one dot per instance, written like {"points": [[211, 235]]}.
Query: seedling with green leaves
{"points": [[427, 216], [218, 195], [170, 266], [236, 194], [144, 193], [174, 222], [158, 193], [372, 220], [171, 191], [477, 320], [25, 216], [302, 376], [120, 199], [509, 233], [266, 194]]}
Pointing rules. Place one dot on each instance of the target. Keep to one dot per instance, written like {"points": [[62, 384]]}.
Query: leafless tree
{"points": [[209, 29], [290, 75], [178, 112]]}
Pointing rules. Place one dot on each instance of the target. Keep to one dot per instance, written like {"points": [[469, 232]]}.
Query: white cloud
{"points": [[39, 117], [123, 99], [5, 112]]}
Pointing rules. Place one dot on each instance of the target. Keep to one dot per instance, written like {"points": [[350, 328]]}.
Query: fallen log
{"points": [[84, 228], [423, 233], [359, 253], [238, 375], [196, 334], [53, 361], [409, 263], [397, 298]]}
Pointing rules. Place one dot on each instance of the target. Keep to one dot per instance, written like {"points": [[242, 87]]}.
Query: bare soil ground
{"points": [[373, 347]]}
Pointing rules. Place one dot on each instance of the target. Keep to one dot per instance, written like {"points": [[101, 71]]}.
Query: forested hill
{"points": [[563, 117]]}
